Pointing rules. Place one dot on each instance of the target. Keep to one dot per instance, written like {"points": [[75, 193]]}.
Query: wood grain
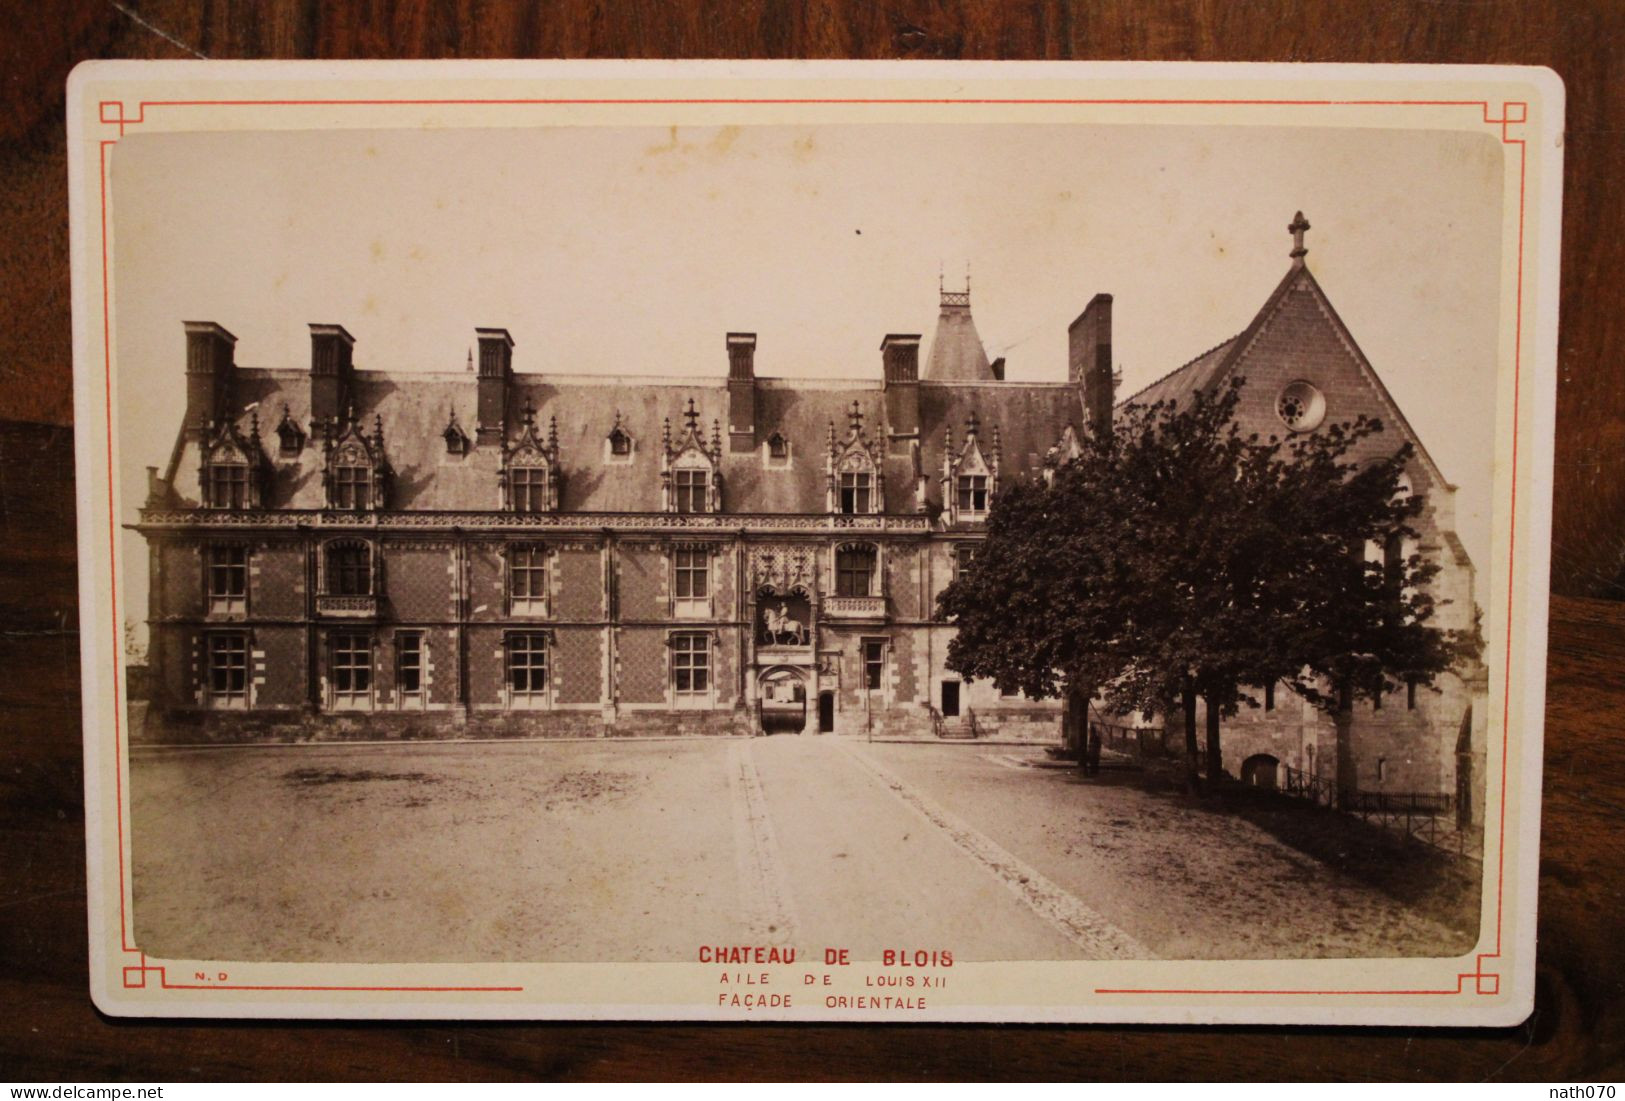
{"points": [[53, 1032]]}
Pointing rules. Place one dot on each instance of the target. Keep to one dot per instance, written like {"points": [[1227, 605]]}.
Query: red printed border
{"points": [[1512, 113]]}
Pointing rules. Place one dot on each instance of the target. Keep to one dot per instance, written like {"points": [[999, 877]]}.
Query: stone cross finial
{"points": [[972, 423], [553, 434], [691, 415], [855, 415], [530, 414], [1299, 226]]}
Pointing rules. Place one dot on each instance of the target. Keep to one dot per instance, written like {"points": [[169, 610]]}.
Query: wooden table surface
{"points": [[51, 1031]]}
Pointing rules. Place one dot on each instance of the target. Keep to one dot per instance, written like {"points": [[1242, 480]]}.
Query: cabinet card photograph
{"points": [[837, 541]]}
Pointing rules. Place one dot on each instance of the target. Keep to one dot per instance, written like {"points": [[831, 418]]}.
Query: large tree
{"points": [[1179, 559]]}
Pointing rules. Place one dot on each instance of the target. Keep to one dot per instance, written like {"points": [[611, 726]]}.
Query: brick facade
{"points": [[506, 572]]}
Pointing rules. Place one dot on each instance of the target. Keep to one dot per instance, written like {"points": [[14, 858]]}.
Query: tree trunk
{"points": [[1193, 782], [1077, 704], [1343, 722], [1215, 762]]}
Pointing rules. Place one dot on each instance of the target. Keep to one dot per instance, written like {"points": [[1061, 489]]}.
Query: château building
{"points": [[343, 550]]}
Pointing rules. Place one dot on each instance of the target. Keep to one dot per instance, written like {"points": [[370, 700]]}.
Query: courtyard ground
{"points": [[644, 850]]}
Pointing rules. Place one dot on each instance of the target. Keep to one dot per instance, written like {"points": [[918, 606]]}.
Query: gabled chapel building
{"points": [[349, 551]]}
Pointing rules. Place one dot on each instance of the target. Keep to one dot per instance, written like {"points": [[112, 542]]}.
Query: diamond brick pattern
{"points": [[580, 586], [643, 665], [276, 585], [578, 657], [643, 583], [417, 582]]}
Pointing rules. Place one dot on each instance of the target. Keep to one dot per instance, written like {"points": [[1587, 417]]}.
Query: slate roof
{"points": [[414, 408], [956, 352], [1184, 381], [1214, 365]]}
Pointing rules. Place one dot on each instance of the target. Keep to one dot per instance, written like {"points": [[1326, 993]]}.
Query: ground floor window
{"points": [[409, 668], [527, 669], [691, 665], [874, 663], [352, 670], [228, 669]]}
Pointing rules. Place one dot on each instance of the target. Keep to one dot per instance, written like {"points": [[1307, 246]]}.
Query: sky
{"points": [[632, 251]]}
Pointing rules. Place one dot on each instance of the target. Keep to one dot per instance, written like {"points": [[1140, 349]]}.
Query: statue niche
{"points": [[783, 620]]}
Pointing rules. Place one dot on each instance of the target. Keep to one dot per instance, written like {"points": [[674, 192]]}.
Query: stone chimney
{"points": [[997, 367], [900, 364], [495, 377], [1089, 360], [332, 368], [741, 391], [210, 362]]}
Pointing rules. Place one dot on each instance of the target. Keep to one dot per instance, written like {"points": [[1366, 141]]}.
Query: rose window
{"points": [[1301, 406]]}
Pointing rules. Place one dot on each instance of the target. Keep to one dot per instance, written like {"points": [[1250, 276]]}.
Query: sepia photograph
{"points": [[809, 548]]}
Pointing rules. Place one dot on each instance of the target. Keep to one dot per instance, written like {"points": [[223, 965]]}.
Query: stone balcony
{"points": [[854, 607], [330, 604]]}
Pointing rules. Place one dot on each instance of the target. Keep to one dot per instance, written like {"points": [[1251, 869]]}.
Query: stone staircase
{"points": [[922, 724]]}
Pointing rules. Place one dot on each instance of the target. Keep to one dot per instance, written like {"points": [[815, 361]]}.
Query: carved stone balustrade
{"points": [[329, 604]]}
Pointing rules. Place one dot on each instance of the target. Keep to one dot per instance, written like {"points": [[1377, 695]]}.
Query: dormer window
{"points": [[690, 466], [619, 444], [778, 448], [233, 465], [228, 485], [456, 439], [690, 488], [356, 470], [352, 487], [529, 480], [970, 474], [973, 494], [291, 438], [856, 485], [857, 489], [528, 484]]}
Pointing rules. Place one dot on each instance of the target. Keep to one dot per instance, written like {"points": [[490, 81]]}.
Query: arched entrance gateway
{"points": [[783, 612], [782, 698], [1261, 770]]}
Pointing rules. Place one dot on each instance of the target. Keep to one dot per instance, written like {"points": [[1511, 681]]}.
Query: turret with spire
{"points": [[957, 354]]}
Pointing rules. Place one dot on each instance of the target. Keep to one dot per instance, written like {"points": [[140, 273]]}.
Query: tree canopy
{"points": [[1179, 558]]}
